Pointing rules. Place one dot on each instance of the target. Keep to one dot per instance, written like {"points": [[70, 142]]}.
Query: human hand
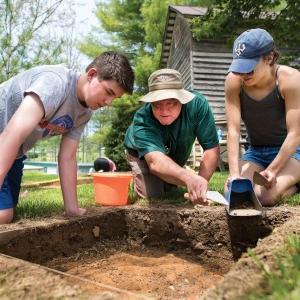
{"points": [[230, 178], [270, 176], [187, 197], [197, 187], [75, 212]]}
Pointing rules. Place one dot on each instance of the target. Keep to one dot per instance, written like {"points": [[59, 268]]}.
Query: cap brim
{"points": [[243, 65], [181, 95]]}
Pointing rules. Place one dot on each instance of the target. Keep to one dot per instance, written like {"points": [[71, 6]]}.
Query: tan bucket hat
{"points": [[166, 84]]}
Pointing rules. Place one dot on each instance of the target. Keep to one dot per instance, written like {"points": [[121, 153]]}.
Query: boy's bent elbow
{"points": [[6, 216]]}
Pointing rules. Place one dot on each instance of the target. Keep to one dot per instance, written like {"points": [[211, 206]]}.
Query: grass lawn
{"points": [[40, 202], [29, 177], [44, 202]]}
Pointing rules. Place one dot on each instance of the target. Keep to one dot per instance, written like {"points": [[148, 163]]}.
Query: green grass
{"points": [[284, 282], [293, 200], [44, 202], [41, 202], [37, 176], [217, 182]]}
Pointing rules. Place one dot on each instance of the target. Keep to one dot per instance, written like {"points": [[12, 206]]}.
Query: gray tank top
{"points": [[265, 120]]}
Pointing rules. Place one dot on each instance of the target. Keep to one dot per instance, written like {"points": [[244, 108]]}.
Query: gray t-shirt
{"points": [[56, 87]]}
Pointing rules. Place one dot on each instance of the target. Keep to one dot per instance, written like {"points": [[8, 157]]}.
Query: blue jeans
{"points": [[263, 156], [9, 192]]}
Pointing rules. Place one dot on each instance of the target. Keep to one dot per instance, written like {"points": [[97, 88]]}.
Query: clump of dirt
{"points": [[241, 200]]}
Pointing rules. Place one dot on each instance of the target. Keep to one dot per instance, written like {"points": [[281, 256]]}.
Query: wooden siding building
{"points": [[203, 64]]}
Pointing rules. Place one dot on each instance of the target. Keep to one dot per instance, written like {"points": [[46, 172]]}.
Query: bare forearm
{"points": [[233, 153], [168, 170], [287, 149], [233, 116], [68, 176], [17, 130], [68, 180], [165, 168], [209, 163]]}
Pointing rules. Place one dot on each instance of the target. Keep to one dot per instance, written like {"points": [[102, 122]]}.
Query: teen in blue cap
{"points": [[266, 96]]}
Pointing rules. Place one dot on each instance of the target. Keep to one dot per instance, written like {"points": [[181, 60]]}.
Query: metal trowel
{"points": [[240, 200], [212, 196], [259, 179], [216, 197]]}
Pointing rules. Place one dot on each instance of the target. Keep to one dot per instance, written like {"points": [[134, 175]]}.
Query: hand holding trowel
{"points": [[212, 196], [241, 199]]}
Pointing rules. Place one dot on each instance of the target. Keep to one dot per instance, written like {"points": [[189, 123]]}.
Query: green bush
{"points": [[120, 121]]}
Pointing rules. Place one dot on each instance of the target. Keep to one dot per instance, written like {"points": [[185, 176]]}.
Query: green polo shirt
{"points": [[176, 140]]}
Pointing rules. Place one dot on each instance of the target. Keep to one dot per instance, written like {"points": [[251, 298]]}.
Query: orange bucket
{"points": [[111, 188]]}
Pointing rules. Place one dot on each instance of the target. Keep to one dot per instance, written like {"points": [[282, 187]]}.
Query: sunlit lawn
{"points": [[44, 202], [37, 176]]}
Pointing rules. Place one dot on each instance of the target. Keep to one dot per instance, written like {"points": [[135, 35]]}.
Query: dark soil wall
{"points": [[207, 231]]}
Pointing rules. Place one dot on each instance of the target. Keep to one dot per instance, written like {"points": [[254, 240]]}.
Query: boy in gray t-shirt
{"points": [[52, 100]]}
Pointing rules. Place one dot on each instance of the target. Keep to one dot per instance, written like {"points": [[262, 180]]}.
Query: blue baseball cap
{"points": [[248, 49]]}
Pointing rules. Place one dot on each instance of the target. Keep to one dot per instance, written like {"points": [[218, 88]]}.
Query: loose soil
{"points": [[152, 272], [159, 252]]}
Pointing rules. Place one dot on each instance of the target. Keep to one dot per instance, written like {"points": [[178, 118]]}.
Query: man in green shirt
{"points": [[160, 139]]}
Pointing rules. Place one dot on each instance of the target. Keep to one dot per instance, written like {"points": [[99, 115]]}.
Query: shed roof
{"points": [[185, 11], [189, 10]]}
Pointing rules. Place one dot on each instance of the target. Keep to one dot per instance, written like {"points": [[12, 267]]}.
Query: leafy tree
{"points": [[124, 110], [31, 33], [124, 21], [228, 18], [34, 32], [135, 27]]}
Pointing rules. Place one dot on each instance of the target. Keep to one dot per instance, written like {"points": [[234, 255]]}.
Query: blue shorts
{"points": [[9, 192], [263, 156]]}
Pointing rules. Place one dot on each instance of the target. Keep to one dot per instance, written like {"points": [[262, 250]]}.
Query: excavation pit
{"points": [[139, 252]]}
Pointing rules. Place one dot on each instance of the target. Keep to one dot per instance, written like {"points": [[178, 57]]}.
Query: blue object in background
{"points": [[220, 134]]}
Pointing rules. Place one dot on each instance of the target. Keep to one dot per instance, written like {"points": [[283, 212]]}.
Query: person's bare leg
{"points": [[247, 170], [285, 184]]}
